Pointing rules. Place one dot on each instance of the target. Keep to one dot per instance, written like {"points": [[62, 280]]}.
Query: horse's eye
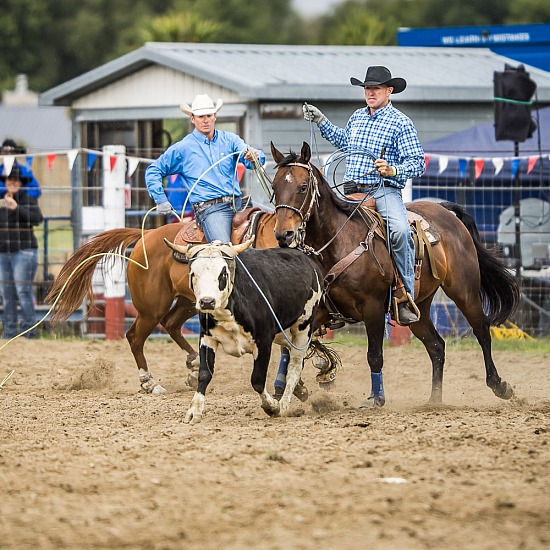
{"points": [[303, 189]]}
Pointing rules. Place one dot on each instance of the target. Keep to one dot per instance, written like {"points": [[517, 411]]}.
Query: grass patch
{"points": [[538, 346]]}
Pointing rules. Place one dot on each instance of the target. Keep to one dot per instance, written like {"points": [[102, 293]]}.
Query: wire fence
{"points": [[512, 214]]}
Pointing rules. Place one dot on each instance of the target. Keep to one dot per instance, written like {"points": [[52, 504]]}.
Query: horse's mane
{"points": [[345, 207]]}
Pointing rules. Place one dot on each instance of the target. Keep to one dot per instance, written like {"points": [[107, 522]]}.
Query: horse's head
{"points": [[211, 271], [295, 190]]}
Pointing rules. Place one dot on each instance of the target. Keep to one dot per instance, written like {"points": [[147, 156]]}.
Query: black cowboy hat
{"points": [[16, 174], [377, 76]]}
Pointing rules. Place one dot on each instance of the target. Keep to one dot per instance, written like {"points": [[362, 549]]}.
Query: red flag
{"points": [[427, 161], [51, 159], [531, 165], [479, 163], [112, 162]]}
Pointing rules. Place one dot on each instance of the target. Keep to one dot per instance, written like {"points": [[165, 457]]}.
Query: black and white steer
{"points": [[234, 314]]}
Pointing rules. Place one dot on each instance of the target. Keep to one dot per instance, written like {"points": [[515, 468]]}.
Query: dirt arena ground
{"points": [[86, 461]]}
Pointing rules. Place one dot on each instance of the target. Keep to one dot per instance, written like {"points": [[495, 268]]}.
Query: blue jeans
{"points": [[17, 271], [389, 204], [215, 220]]}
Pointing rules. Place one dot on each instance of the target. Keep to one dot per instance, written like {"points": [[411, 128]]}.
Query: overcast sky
{"points": [[314, 7]]}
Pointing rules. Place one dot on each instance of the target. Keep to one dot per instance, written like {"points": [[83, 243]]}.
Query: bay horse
{"points": [[308, 210], [160, 293]]}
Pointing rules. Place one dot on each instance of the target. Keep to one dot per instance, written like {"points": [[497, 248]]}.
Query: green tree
{"points": [[181, 27], [528, 11], [354, 24]]}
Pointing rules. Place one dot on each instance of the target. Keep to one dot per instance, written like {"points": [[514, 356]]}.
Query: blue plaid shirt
{"points": [[388, 128]]}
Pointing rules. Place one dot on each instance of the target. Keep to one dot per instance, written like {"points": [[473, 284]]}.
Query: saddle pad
{"points": [[431, 232]]}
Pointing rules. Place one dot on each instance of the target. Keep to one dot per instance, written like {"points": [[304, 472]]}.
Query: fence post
{"points": [[114, 171]]}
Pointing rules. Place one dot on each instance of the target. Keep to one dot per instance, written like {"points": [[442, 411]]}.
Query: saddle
{"points": [[425, 236], [244, 225]]}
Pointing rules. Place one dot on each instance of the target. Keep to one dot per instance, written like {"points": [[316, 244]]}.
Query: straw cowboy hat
{"points": [[202, 105], [377, 76]]}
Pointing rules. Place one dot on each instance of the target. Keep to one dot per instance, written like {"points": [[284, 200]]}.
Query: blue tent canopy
{"points": [[487, 193], [479, 141]]}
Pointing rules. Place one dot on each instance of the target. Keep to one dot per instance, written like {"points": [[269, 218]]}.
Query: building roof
{"points": [[36, 128], [318, 73]]}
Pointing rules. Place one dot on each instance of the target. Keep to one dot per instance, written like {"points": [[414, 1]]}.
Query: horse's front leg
{"points": [[375, 356], [207, 354], [259, 376]]}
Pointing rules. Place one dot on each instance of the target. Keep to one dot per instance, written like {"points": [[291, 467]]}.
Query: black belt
{"points": [[202, 204]]}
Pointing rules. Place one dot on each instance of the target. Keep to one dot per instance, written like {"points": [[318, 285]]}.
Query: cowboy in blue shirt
{"points": [[381, 127], [206, 159]]}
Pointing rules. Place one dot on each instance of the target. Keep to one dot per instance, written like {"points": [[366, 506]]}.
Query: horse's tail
{"points": [[499, 288], [74, 281]]}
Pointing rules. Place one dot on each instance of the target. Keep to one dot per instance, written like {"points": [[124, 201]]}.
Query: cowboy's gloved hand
{"points": [[312, 114], [164, 208], [350, 188]]}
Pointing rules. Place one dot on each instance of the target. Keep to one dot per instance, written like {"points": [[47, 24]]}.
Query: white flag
{"points": [[443, 163], [8, 164], [71, 157], [498, 163], [132, 165]]}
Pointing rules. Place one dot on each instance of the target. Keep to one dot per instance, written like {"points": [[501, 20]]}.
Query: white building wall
{"points": [[154, 86]]}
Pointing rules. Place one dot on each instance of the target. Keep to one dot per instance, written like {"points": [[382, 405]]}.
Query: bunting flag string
{"points": [[531, 164], [50, 159], [443, 163], [71, 157], [8, 164], [498, 163], [132, 163], [515, 166], [462, 165], [479, 164], [91, 160]]}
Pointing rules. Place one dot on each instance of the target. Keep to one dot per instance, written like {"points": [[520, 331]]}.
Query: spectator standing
{"points": [[19, 214]]}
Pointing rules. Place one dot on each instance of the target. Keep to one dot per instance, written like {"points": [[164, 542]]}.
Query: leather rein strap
{"points": [[346, 261]]}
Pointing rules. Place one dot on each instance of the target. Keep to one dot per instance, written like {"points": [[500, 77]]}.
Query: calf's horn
{"points": [[177, 247], [238, 248]]}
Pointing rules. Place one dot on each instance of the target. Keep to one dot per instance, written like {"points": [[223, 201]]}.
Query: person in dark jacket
{"points": [[19, 213]]}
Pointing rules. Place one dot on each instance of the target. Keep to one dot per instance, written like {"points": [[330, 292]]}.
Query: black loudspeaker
{"points": [[513, 89]]}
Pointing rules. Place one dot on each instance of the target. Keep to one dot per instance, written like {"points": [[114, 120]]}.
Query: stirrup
{"points": [[410, 304]]}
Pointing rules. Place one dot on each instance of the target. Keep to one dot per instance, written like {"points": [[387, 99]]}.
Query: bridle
{"points": [[306, 207]]}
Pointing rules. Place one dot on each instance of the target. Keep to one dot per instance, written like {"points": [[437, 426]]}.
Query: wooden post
{"points": [[114, 171]]}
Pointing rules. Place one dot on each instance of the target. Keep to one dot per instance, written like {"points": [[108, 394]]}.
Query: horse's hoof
{"points": [[272, 412], [327, 386], [301, 392], [504, 390], [150, 386], [373, 403]]}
